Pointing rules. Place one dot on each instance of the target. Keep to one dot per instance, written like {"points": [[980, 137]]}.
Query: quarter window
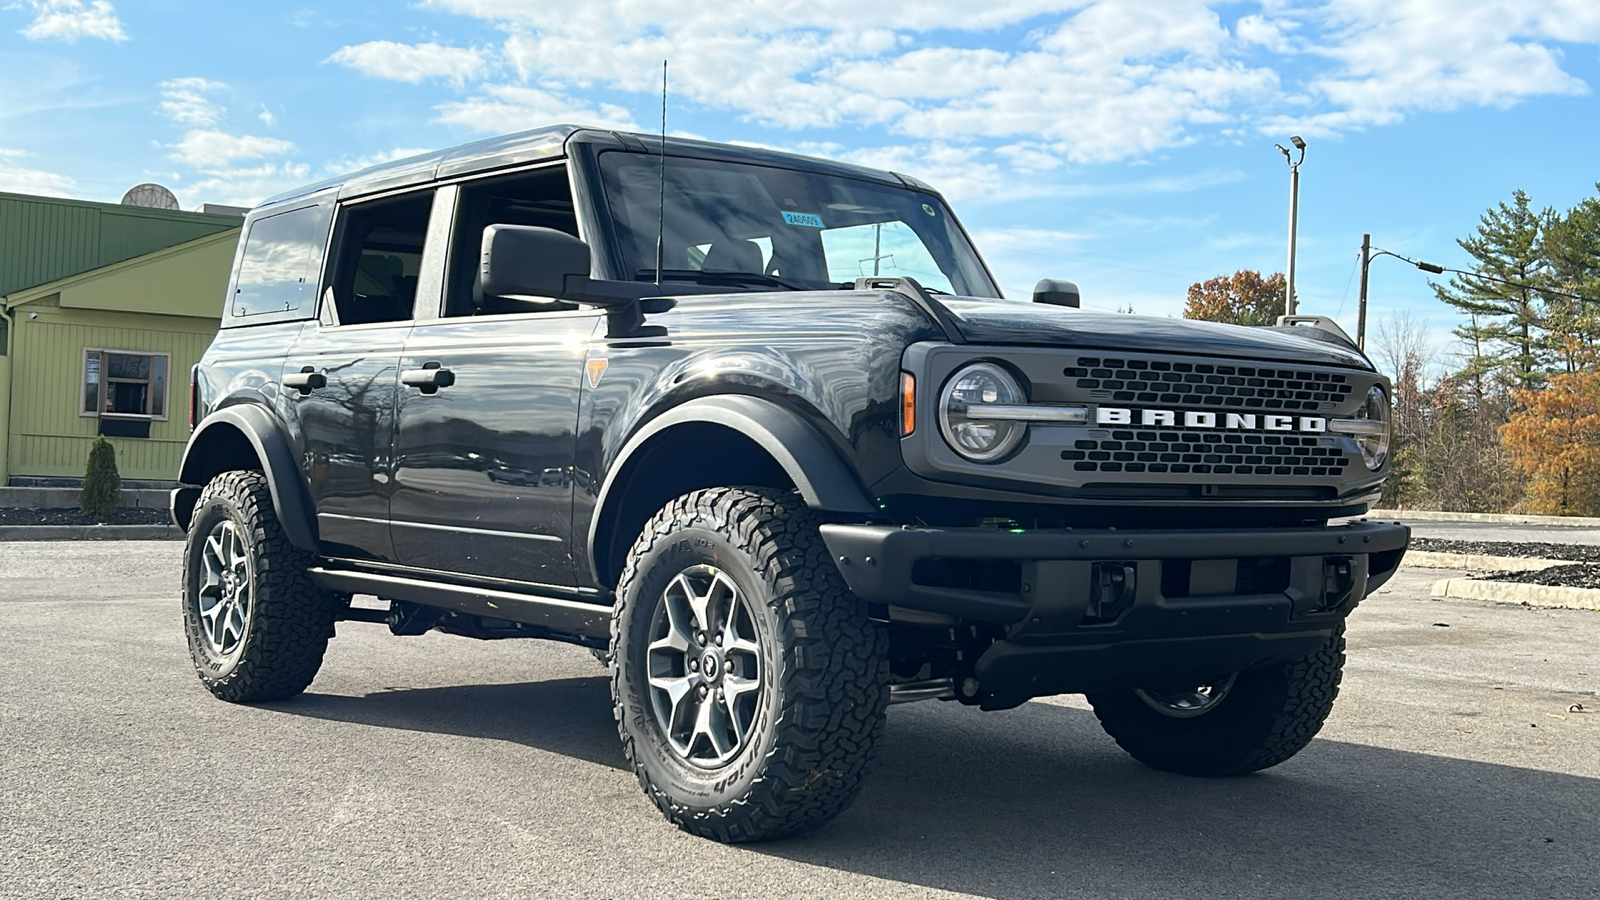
{"points": [[124, 383], [279, 270]]}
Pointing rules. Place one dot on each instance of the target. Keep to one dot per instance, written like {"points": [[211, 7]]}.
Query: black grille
{"points": [[1209, 384], [1207, 453]]}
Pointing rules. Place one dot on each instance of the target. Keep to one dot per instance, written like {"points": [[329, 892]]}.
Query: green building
{"points": [[103, 310]]}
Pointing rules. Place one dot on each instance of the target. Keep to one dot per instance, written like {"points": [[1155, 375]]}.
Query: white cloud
{"points": [[208, 149], [250, 185], [346, 164], [266, 117], [1394, 57], [506, 108], [68, 20], [413, 63], [185, 101], [1089, 81], [18, 179]]}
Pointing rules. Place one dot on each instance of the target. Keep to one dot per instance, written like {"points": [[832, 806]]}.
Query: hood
{"points": [[1038, 324]]}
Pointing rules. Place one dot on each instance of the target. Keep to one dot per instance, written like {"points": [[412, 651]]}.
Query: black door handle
{"points": [[429, 378], [306, 380]]}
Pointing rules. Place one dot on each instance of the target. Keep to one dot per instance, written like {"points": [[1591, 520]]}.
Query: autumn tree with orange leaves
{"points": [[1554, 437], [1243, 298]]}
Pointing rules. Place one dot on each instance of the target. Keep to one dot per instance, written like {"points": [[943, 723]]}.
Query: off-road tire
{"points": [[289, 619], [1266, 717], [825, 689]]}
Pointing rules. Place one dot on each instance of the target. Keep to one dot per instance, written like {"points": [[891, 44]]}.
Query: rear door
{"points": [[341, 376], [484, 444]]}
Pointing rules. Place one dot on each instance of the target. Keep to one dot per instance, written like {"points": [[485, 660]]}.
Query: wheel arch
{"points": [[246, 437], [711, 442]]}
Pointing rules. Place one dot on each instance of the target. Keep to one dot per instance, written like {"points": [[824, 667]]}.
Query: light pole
{"points": [[1294, 214], [1367, 256]]}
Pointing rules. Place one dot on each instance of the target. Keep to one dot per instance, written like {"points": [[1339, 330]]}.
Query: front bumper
{"points": [[1197, 603]]}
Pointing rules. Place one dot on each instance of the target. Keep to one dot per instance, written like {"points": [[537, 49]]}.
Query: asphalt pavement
{"points": [[1483, 531], [444, 767]]}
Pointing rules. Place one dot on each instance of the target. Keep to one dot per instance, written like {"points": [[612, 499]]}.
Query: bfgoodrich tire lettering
{"points": [[822, 671], [256, 623], [1267, 716]]}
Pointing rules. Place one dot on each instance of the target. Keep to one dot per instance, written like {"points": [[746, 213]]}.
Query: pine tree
{"points": [[1572, 248], [102, 486], [1503, 295]]}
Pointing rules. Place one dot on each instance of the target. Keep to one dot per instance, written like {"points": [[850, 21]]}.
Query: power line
{"points": [[1440, 270]]}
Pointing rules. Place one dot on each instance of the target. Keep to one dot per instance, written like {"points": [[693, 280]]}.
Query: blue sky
{"points": [[1127, 146]]}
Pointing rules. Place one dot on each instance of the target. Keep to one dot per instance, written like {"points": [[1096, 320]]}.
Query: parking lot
{"points": [[443, 767]]}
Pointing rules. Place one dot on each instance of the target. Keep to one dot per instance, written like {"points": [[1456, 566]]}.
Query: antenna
{"points": [[661, 207]]}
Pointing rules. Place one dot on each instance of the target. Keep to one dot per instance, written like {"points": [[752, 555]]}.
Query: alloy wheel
{"points": [[1187, 704], [227, 593], [705, 666]]}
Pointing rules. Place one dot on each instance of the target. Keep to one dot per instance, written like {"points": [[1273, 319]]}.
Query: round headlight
{"points": [[1375, 447], [961, 419]]}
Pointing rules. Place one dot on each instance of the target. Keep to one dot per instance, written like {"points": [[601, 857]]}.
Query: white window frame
{"points": [[104, 379]]}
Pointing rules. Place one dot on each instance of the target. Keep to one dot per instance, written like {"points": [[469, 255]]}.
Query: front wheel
{"points": [[257, 625], [749, 684], [1239, 724]]}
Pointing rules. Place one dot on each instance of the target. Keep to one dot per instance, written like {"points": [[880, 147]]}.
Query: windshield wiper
{"points": [[700, 276]]}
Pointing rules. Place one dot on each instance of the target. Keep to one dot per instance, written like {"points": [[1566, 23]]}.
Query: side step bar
{"points": [[584, 623]]}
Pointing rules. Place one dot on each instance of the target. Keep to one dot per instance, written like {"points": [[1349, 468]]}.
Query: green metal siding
{"points": [[43, 239]]}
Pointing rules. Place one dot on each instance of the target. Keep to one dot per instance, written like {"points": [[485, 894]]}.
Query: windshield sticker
{"points": [[805, 220], [928, 208]]}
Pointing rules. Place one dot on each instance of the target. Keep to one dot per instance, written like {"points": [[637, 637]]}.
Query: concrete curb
{"points": [[1475, 562], [90, 533], [1424, 515], [1521, 594]]}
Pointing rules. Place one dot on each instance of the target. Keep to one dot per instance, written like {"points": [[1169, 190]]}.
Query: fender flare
{"points": [[825, 481], [289, 497]]}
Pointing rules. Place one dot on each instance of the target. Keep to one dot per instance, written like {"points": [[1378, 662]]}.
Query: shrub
{"points": [[102, 486]]}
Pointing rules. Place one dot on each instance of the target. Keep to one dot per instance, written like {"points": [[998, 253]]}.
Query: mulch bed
{"points": [[73, 517], [1585, 573], [1574, 552]]}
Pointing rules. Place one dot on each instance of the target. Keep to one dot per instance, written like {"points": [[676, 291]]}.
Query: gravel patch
{"points": [[1573, 552], [129, 516]]}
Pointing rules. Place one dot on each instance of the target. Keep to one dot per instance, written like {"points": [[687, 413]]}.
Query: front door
{"points": [[483, 464], [488, 407]]}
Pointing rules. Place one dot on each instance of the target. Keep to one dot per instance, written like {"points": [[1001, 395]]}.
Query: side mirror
{"points": [[527, 261], [1056, 293]]}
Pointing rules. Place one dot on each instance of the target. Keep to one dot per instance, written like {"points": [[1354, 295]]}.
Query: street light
{"points": [[1367, 256], [1294, 213]]}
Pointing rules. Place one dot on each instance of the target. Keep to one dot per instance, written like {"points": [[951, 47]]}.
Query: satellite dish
{"points": [[151, 196]]}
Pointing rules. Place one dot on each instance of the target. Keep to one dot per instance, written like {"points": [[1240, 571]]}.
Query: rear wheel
{"points": [[749, 684], [1243, 723], [256, 623]]}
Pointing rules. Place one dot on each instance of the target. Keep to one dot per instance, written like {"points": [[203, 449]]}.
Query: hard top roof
{"points": [[550, 143]]}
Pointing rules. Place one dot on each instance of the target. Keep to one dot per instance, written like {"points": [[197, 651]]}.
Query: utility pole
{"points": [[1361, 318], [1294, 214]]}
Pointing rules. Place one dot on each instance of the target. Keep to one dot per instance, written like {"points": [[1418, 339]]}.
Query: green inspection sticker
{"points": [[804, 220], [928, 208]]}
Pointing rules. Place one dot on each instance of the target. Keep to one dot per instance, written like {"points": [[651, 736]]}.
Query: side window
{"points": [[278, 269], [380, 256], [541, 198]]}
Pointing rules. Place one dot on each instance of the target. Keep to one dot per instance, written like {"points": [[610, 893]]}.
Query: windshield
{"points": [[765, 227]]}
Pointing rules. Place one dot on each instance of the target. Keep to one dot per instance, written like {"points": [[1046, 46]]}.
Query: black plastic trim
{"points": [[877, 560], [278, 463], [582, 623]]}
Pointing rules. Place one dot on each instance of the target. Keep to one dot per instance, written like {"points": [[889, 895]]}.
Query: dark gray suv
{"points": [[762, 432]]}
